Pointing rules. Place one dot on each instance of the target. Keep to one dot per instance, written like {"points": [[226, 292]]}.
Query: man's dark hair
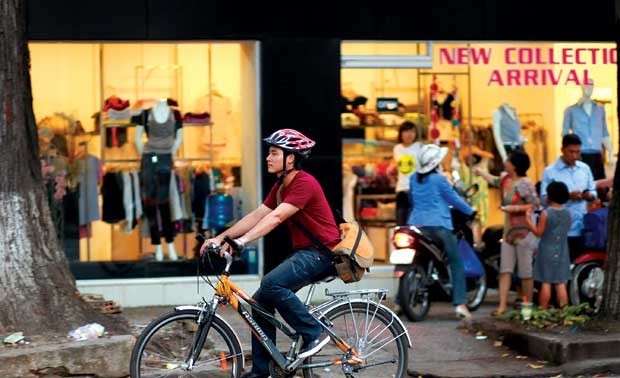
{"points": [[298, 160], [570, 140], [521, 162], [407, 125], [557, 192]]}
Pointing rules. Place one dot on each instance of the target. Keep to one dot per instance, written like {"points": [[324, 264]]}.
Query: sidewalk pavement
{"points": [[442, 347]]}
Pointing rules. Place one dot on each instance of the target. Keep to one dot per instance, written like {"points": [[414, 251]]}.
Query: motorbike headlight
{"points": [[402, 256]]}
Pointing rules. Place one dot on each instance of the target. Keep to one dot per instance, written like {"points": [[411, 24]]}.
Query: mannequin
{"points": [[587, 119], [507, 130], [164, 139]]}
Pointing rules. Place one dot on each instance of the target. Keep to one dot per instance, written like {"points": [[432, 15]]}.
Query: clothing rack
{"points": [[467, 74]]}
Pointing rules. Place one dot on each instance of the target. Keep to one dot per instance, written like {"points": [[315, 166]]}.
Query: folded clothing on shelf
{"points": [[197, 117], [115, 103], [114, 114]]}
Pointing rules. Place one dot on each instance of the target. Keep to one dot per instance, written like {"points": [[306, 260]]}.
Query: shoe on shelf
{"points": [[255, 375], [462, 312], [312, 347]]}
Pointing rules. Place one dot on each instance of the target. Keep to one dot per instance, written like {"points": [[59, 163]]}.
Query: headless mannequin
{"points": [[596, 118], [499, 122], [587, 103], [161, 154]]}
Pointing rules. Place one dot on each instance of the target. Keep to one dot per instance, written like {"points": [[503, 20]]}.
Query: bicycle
{"points": [[365, 336]]}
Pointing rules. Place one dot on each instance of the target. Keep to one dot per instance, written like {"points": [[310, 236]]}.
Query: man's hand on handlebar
{"points": [[225, 244], [232, 246], [216, 241]]}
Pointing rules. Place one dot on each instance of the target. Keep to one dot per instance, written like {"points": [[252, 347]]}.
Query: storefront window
{"points": [[455, 101], [392, 54], [103, 108]]}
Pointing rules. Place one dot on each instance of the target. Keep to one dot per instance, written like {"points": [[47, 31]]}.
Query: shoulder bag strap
{"points": [[306, 232]]}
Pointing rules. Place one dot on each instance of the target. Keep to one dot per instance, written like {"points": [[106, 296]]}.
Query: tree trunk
{"points": [[38, 292], [611, 292], [611, 297]]}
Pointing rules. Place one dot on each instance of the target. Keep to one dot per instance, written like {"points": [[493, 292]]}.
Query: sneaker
{"points": [[308, 349]]}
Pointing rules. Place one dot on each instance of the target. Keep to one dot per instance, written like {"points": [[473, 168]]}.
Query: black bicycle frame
{"points": [[285, 362], [267, 343]]}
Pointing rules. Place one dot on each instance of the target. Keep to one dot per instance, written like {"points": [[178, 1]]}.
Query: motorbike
{"points": [[588, 269], [587, 279], [423, 270]]}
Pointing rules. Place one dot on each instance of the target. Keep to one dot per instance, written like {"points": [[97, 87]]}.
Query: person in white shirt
{"points": [[406, 158]]}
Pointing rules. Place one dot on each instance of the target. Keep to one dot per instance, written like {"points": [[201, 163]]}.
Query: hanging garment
{"points": [[89, 190], [112, 194]]}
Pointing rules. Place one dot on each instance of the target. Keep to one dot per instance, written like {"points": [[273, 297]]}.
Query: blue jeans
{"points": [[450, 247], [277, 292]]}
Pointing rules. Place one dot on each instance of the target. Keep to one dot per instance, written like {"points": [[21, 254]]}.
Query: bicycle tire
{"points": [[164, 344], [372, 330]]}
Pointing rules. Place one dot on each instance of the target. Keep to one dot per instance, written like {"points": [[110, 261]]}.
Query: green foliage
{"points": [[550, 318]]}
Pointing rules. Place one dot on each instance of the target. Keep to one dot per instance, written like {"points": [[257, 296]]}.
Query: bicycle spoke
{"points": [[373, 332], [164, 346]]}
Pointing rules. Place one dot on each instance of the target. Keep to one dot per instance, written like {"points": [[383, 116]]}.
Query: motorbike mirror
{"points": [[456, 177]]}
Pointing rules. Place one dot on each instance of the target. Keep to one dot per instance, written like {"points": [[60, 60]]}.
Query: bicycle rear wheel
{"points": [[163, 348], [374, 333]]}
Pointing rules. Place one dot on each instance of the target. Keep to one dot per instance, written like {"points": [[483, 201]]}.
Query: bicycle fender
{"points": [[383, 307], [198, 309]]}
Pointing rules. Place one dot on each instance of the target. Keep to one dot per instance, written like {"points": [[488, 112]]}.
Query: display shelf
{"points": [[361, 127], [109, 125], [382, 143], [382, 216], [378, 228], [197, 124]]}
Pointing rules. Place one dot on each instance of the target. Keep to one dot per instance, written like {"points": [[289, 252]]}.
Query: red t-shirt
{"points": [[305, 193]]}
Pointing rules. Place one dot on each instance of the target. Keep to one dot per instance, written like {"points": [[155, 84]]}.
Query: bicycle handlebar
{"points": [[215, 249]]}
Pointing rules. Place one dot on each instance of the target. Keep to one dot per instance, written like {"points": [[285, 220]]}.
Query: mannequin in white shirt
{"points": [[161, 114], [588, 121], [503, 128], [587, 103]]}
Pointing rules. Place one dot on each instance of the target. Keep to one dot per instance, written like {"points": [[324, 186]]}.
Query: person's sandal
{"points": [[497, 313]]}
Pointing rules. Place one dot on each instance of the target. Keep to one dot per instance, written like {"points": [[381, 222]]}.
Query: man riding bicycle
{"points": [[298, 199]]}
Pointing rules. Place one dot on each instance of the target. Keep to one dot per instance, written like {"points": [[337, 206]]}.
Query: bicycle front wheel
{"points": [[374, 333], [163, 349]]}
